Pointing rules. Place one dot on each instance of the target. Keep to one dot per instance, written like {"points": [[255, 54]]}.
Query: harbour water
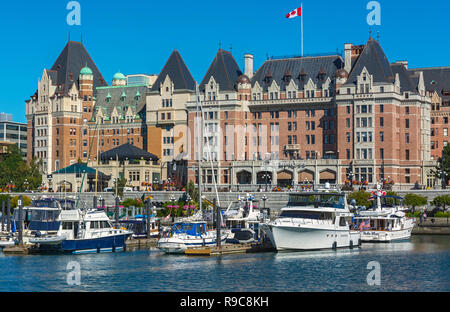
{"points": [[421, 264]]}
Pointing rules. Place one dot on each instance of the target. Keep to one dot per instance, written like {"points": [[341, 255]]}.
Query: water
{"points": [[421, 264]]}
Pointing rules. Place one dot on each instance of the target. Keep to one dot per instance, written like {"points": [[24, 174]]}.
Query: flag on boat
{"points": [[295, 13]]}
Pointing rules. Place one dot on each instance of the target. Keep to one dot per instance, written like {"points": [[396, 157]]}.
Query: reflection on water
{"points": [[421, 264]]}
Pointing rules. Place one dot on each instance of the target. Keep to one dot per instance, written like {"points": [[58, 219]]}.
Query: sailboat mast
{"points": [[96, 169], [199, 146]]}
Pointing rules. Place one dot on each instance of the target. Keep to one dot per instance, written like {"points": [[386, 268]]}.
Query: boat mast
{"points": [[199, 145]]}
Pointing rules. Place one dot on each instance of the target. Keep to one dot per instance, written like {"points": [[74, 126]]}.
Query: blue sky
{"points": [[137, 36]]}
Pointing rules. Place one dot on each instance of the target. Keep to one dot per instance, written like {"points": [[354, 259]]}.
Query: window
{"points": [[382, 136], [407, 123], [348, 137], [348, 154], [382, 153], [407, 154], [381, 122], [445, 132], [348, 109], [348, 122], [407, 110], [407, 138]]}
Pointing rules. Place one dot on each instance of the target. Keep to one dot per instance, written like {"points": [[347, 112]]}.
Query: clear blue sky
{"points": [[137, 36]]}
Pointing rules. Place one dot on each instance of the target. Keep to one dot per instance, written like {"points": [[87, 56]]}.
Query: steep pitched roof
{"points": [[109, 97], [406, 82], [69, 64], [225, 71], [308, 67], [178, 72], [128, 151], [376, 62], [435, 78]]}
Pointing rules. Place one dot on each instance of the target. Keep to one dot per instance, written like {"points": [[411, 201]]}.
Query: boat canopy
{"points": [[193, 229]]}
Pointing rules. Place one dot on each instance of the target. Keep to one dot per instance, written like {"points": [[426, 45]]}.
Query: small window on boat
{"points": [[342, 221], [67, 226], [94, 225], [105, 224], [187, 227]]}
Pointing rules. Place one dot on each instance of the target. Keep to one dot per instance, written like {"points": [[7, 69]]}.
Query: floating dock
{"points": [[17, 250], [141, 243], [228, 249]]}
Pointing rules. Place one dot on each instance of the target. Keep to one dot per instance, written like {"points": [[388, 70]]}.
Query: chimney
{"points": [[248, 65], [348, 57]]}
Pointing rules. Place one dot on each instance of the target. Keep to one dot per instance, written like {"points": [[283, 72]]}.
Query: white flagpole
{"points": [[301, 11]]}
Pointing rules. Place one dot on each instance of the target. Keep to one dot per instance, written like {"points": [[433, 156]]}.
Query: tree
{"points": [[414, 200], [442, 169], [26, 201], [361, 198], [441, 201], [15, 170]]}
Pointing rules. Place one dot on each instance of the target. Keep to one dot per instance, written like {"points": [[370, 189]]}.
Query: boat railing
{"points": [[305, 221]]}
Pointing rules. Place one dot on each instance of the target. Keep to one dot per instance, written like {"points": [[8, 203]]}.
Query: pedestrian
{"points": [[425, 217], [421, 217]]}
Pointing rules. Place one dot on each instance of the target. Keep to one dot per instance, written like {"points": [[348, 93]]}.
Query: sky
{"points": [[138, 36]]}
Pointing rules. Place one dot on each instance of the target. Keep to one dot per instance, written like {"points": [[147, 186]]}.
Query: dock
{"points": [[17, 250], [228, 249], [142, 243]]}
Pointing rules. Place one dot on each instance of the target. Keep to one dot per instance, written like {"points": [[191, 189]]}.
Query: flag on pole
{"points": [[295, 13]]}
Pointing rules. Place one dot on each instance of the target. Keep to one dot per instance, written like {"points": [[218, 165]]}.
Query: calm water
{"points": [[422, 264]]}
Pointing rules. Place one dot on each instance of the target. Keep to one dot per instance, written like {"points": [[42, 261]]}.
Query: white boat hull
{"points": [[174, 245], [308, 238], [387, 236]]}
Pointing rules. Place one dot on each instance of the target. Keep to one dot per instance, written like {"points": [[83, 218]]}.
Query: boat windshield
{"points": [[44, 203], [194, 229], [331, 200], [316, 215]]}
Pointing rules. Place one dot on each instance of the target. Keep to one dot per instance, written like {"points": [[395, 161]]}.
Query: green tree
{"points": [[13, 168], [26, 201], [414, 200], [441, 201], [361, 198], [442, 169]]}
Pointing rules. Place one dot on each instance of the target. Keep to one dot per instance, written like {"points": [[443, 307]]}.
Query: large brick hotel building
{"points": [[299, 119]]}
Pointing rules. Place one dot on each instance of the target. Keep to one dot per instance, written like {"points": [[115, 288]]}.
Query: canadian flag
{"points": [[295, 13]]}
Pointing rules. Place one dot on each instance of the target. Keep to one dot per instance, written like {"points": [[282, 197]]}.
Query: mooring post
{"points": [[3, 215], [8, 221], [20, 221], [147, 205], [117, 212], [95, 202], [218, 236]]}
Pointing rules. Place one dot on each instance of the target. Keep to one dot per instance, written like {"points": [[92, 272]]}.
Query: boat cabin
{"points": [[193, 229], [317, 199]]}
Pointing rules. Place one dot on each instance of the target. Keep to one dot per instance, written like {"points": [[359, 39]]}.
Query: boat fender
{"points": [[359, 242], [351, 244], [98, 249], [334, 246]]}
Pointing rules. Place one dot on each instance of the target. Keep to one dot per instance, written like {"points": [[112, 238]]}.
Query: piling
{"points": [[116, 214], [20, 220], [95, 202], [147, 212], [8, 221], [218, 235], [3, 215]]}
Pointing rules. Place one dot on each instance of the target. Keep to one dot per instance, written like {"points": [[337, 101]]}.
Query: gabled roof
{"points": [[406, 82], [127, 151], [69, 64], [305, 67], [375, 61], [435, 78], [178, 72], [225, 71]]}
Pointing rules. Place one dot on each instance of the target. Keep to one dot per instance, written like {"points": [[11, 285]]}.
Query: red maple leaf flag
{"points": [[295, 13]]}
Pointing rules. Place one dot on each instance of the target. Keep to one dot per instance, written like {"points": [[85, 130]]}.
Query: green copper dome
{"points": [[86, 71], [119, 76]]}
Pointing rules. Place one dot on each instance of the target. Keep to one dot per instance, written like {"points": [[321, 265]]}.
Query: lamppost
{"points": [[172, 198], [188, 200], [26, 184], [443, 174], [266, 176], [264, 198]]}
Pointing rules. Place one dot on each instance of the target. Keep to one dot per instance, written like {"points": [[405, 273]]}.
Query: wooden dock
{"points": [[228, 249], [17, 250], [132, 244]]}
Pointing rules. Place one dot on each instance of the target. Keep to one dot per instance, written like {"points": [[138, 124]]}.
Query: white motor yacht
{"points": [[386, 222], [313, 220]]}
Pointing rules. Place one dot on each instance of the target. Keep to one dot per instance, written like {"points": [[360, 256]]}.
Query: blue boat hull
{"points": [[95, 245]]}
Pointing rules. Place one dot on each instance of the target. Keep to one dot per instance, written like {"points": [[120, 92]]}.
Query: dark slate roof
{"points": [[435, 78], [406, 82], [127, 151], [69, 64], [376, 62], [225, 71], [137, 104], [78, 168], [310, 67], [178, 73]]}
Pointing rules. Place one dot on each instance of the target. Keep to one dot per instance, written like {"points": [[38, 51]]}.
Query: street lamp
{"points": [[26, 184]]}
